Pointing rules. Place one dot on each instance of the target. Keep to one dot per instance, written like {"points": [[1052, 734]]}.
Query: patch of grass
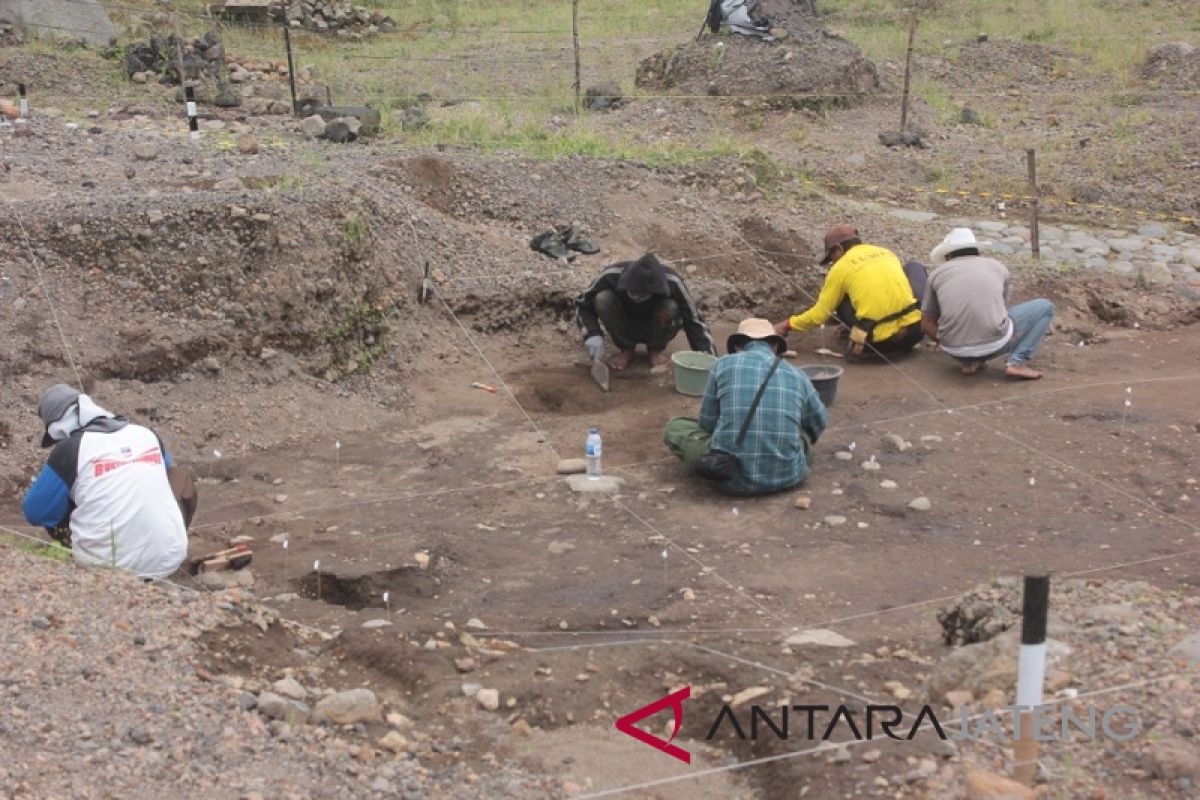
{"points": [[50, 550], [356, 228], [936, 96], [1114, 37], [766, 172], [507, 132], [938, 176]]}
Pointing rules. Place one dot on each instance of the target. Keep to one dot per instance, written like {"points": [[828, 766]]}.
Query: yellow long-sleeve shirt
{"points": [[874, 279]]}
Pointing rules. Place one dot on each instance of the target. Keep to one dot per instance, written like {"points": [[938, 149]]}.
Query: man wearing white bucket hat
{"points": [[965, 310], [758, 420]]}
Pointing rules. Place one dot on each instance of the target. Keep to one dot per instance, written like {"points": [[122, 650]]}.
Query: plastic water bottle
{"points": [[592, 453]]}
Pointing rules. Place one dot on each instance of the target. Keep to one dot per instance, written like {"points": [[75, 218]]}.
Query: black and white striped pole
{"points": [[24, 102], [1031, 674], [193, 124]]}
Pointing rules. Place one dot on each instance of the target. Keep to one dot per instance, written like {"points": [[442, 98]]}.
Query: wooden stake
{"points": [[1031, 165], [1031, 674], [575, 42], [912, 32], [287, 43]]}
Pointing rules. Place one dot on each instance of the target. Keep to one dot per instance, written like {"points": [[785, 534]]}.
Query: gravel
{"points": [[88, 716]]}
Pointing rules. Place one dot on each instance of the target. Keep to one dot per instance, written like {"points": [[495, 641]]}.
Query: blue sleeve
{"points": [[162, 448], [813, 416], [48, 501], [710, 406]]}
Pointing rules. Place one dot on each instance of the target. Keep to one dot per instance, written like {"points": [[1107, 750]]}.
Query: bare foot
{"points": [[658, 358], [973, 367], [1021, 371], [621, 360]]}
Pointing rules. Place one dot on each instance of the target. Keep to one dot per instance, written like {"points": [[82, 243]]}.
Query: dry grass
{"points": [[500, 72], [1113, 35]]}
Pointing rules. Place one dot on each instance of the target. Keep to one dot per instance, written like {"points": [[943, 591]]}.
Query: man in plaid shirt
{"points": [[787, 423]]}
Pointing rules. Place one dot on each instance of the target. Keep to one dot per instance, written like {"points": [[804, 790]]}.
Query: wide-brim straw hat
{"points": [[956, 239], [758, 330]]}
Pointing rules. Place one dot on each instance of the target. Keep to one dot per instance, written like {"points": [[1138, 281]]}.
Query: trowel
{"points": [[600, 373]]}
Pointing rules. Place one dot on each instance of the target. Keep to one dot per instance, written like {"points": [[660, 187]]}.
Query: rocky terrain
{"points": [[476, 625], [110, 689]]}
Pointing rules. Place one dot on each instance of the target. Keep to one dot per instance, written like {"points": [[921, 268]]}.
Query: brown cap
{"points": [[837, 235]]}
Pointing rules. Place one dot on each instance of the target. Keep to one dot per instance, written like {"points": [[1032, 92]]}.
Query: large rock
{"points": [[819, 637], [981, 668], [313, 125], [982, 613], [602, 97], [347, 708], [339, 132], [989, 786], [226, 579], [1156, 273], [273, 706], [1173, 759], [1188, 649], [85, 19], [369, 117]]}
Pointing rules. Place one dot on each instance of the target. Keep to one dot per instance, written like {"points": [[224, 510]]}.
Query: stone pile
{"points": [[161, 58], [1153, 253], [341, 124], [219, 78], [341, 16]]}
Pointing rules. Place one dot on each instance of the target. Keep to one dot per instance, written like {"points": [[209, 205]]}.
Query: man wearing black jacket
{"points": [[640, 302]]}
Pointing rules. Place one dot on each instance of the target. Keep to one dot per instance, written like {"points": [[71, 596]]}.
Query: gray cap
{"points": [[56, 401]]}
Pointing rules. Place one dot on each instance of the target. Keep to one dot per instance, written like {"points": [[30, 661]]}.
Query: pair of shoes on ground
{"points": [[561, 240]]}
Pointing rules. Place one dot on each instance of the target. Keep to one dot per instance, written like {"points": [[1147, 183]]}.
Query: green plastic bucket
{"points": [[824, 379], [691, 371]]}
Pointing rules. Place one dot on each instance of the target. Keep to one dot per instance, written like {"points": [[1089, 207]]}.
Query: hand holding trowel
{"points": [[595, 348]]}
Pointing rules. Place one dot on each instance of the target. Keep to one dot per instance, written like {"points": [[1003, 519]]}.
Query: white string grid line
{"points": [[1004, 435], [654, 529], [534, 479], [36, 262]]}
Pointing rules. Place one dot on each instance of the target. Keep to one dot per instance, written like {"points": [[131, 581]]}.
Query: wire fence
{"points": [[501, 82]]}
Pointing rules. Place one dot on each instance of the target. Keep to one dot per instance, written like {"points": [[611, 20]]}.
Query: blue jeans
{"points": [[1031, 320]]}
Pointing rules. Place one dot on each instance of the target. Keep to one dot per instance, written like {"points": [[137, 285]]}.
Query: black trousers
{"points": [[904, 339], [655, 326]]}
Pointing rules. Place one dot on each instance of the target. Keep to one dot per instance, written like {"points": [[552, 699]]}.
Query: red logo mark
{"points": [[675, 700], [103, 466]]}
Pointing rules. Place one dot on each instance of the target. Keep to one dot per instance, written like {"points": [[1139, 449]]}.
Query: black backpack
{"points": [[715, 17]]}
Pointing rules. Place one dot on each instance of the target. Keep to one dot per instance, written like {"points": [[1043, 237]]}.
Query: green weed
{"points": [[356, 228], [51, 550]]}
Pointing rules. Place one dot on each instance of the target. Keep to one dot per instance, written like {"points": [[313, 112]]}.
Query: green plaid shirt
{"points": [[772, 455]]}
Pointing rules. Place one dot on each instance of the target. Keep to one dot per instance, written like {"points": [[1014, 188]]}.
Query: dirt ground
{"points": [[334, 426], [470, 484]]}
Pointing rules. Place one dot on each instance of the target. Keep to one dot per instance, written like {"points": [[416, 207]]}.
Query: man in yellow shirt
{"points": [[868, 291]]}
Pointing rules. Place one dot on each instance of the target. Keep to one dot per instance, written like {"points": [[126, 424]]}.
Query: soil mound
{"points": [[809, 67], [1008, 61], [1175, 66]]}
